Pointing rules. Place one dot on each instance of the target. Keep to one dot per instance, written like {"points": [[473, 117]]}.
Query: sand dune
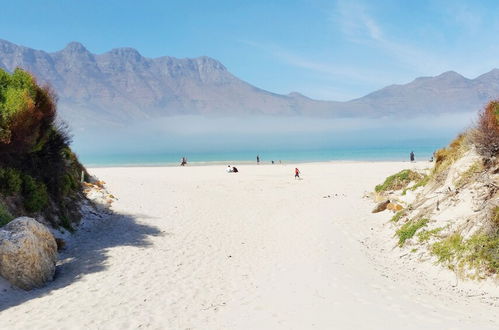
{"points": [[198, 248]]}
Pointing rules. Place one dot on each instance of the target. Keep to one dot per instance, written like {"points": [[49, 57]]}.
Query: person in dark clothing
{"points": [[257, 159], [234, 169], [412, 156]]}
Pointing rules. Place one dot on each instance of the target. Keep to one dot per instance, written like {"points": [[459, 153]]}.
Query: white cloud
{"points": [[359, 26], [334, 71]]}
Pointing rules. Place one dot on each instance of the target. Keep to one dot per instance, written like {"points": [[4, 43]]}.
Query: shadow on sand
{"points": [[86, 254]]}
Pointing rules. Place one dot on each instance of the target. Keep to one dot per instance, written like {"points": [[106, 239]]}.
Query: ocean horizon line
{"points": [[390, 154]]}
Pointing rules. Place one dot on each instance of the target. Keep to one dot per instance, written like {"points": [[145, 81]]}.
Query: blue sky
{"points": [[324, 49]]}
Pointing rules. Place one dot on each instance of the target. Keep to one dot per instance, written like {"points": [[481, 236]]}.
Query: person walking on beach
{"points": [[412, 156], [297, 173], [257, 159]]}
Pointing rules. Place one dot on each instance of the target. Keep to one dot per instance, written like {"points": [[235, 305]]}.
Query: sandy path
{"points": [[198, 248]]}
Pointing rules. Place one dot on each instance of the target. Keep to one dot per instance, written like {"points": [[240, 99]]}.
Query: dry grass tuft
{"points": [[446, 156]]}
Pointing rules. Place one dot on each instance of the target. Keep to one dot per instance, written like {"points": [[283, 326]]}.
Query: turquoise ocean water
{"points": [[422, 150]]}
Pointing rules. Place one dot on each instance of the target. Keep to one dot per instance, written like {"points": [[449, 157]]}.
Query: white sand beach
{"points": [[199, 248]]}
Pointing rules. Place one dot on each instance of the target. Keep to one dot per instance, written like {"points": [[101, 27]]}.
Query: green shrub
{"points": [[66, 224], [68, 184], [397, 216], [26, 111], [449, 248], [34, 194], [425, 235], [36, 164], [10, 181], [408, 230], [5, 216], [398, 181], [480, 252], [421, 183]]}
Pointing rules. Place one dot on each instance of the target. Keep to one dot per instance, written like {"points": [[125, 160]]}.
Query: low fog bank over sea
{"points": [[290, 139]]}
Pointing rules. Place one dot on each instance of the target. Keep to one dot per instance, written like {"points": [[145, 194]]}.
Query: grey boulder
{"points": [[28, 253]]}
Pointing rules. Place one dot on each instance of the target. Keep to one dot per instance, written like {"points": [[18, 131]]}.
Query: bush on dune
{"points": [[26, 111], [446, 156], [479, 252], [408, 230], [398, 181], [472, 254], [36, 164], [10, 181], [486, 134], [35, 194]]}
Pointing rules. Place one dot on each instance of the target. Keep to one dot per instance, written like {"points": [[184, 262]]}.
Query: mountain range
{"points": [[122, 85]]}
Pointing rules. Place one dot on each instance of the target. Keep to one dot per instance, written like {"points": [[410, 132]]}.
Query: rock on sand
{"points": [[28, 253]]}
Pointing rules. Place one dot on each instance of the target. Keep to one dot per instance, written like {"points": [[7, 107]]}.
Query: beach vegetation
{"points": [[34, 194], [421, 183], [408, 230], [398, 181], [467, 175], [425, 235], [66, 223], [447, 156], [37, 167], [486, 134], [10, 181], [26, 111], [480, 253], [396, 217], [5, 216], [495, 217]]}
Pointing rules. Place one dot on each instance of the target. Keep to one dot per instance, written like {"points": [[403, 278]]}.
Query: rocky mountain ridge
{"points": [[122, 85]]}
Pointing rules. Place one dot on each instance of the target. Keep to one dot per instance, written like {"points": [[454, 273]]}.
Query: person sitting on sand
{"points": [[228, 169], [297, 173], [234, 169]]}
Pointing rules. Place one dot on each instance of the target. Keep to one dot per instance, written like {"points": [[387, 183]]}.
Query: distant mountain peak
{"points": [[450, 75], [297, 95], [492, 74], [126, 54], [75, 47], [209, 62]]}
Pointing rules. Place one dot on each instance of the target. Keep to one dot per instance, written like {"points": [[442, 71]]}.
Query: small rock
{"points": [[394, 207], [381, 206]]}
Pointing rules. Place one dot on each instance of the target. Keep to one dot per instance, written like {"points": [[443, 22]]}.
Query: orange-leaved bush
{"points": [[486, 134]]}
